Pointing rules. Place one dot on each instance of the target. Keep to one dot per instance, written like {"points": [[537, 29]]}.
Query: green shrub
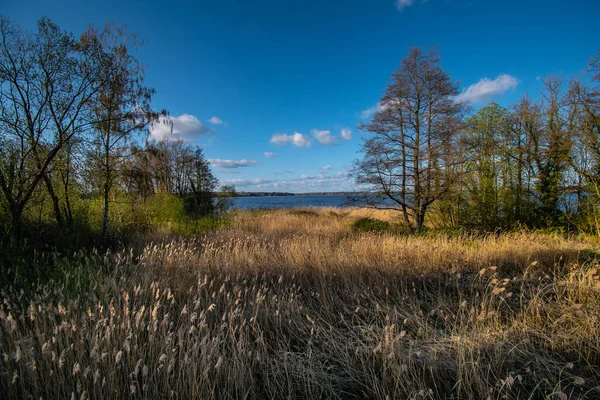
{"points": [[127, 214], [195, 226], [302, 212], [162, 209], [370, 225]]}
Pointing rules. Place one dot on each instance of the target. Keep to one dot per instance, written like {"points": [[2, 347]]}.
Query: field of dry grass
{"points": [[293, 304]]}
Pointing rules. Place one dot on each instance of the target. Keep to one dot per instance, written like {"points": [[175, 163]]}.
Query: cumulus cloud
{"points": [[369, 111], [346, 134], [219, 163], [185, 126], [486, 88], [297, 139], [326, 167], [402, 4], [379, 107], [217, 121], [326, 138], [269, 154]]}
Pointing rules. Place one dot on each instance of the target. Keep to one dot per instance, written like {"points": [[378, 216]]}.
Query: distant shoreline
{"points": [[264, 194]]}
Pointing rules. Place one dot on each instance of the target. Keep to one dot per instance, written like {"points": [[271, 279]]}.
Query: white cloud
{"points": [[380, 107], [297, 139], [346, 134], [402, 4], [484, 89], [185, 126], [326, 138], [219, 163], [269, 154], [217, 121], [326, 167], [369, 111]]}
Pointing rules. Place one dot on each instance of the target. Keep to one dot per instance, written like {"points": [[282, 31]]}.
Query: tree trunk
{"points": [[68, 210], [105, 219], [105, 236], [55, 201], [420, 219], [519, 191], [16, 215], [66, 180]]}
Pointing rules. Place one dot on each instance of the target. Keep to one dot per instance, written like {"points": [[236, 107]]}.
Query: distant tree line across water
{"points": [[262, 194], [74, 113]]}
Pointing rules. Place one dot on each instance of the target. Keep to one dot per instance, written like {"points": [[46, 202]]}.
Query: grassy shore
{"points": [[302, 304]]}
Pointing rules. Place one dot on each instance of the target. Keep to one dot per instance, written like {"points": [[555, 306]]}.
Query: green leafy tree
{"points": [[484, 143], [203, 185], [123, 105], [551, 147]]}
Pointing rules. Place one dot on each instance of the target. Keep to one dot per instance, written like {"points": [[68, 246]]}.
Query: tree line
{"points": [[535, 163], [73, 113]]}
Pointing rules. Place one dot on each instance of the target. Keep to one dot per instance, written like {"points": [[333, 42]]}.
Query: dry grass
{"points": [[287, 304]]}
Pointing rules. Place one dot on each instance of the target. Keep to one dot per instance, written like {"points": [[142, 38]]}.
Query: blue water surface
{"points": [[254, 202]]}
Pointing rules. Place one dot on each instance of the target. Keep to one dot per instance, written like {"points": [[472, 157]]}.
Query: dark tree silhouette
{"points": [[409, 160]]}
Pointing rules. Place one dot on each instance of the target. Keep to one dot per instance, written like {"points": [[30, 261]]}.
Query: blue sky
{"points": [[273, 89]]}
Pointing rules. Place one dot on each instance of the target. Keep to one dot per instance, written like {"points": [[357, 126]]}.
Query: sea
{"points": [[300, 201]]}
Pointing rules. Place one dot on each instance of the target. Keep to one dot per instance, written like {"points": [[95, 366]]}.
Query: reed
{"points": [[281, 304]]}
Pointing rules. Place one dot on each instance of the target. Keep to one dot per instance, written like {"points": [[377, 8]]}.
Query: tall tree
{"points": [[585, 109], [203, 185], [584, 158], [551, 147], [123, 106], [484, 145], [526, 127], [410, 160], [45, 87]]}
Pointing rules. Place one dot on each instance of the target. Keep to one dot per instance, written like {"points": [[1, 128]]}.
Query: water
{"points": [[253, 202]]}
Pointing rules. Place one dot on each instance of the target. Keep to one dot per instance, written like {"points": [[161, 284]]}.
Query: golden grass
{"points": [[284, 304]]}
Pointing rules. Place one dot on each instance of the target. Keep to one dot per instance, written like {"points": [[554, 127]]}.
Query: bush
{"points": [[301, 213], [194, 226], [162, 209], [370, 225], [127, 214]]}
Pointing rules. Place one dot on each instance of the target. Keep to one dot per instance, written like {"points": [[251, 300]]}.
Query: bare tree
{"points": [[45, 88], [410, 160]]}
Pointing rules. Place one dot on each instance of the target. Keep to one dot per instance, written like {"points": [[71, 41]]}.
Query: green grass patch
{"points": [[370, 225], [304, 212]]}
